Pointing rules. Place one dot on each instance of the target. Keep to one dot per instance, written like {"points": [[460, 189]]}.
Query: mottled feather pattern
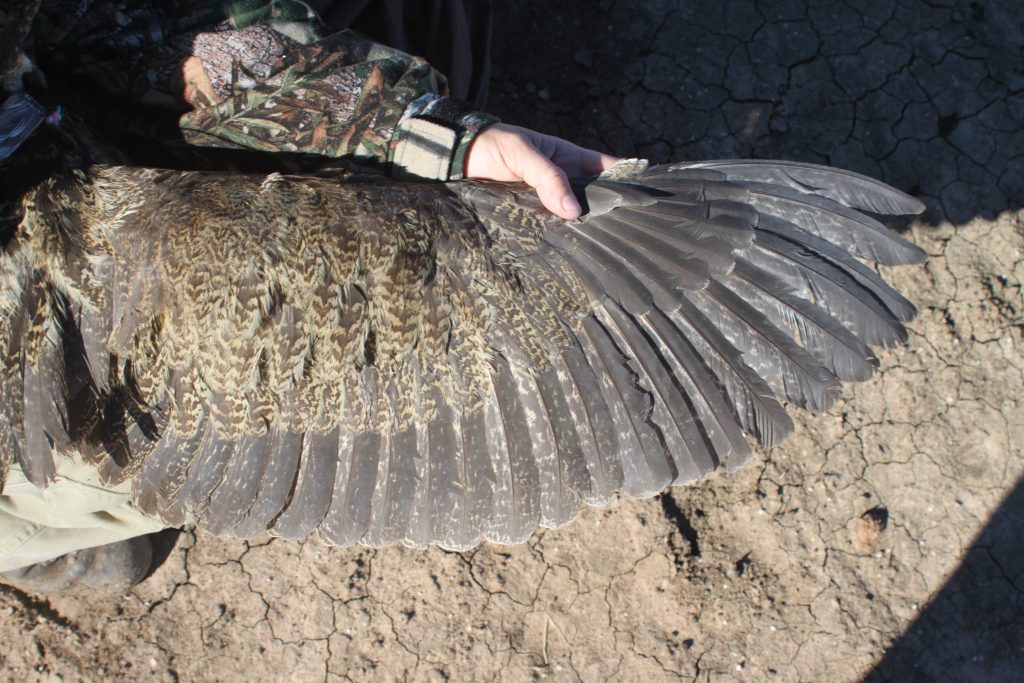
{"points": [[385, 362]]}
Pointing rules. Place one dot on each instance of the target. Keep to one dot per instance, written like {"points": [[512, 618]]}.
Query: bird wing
{"points": [[383, 362]]}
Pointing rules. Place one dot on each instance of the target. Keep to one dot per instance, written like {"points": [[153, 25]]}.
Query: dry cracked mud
{"points": [[883, 542]]}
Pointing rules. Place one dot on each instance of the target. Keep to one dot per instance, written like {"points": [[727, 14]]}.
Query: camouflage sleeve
{"points": [[273, 79], [337, 96]]}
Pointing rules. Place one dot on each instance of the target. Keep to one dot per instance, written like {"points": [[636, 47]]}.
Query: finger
{"points": [[577, 160], [596, 162], [550, 183]]}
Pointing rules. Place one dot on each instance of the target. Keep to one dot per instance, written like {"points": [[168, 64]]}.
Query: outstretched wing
{"points": [[400, 363]]}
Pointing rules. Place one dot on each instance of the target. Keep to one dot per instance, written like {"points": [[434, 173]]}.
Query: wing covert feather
{"points": [[382, 363]]}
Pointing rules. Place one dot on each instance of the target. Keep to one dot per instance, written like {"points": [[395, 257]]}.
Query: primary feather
{"points": [[386, 362]]}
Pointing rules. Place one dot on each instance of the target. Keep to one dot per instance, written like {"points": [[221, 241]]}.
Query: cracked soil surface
{"points": [[883, 542]]}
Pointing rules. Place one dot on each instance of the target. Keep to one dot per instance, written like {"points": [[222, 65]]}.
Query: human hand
{"points": [[504, 152]]}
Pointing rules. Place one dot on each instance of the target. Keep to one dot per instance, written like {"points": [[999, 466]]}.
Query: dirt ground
{"points": [[883, 542]]}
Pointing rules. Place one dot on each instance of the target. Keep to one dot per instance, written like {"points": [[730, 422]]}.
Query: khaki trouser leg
{"points": [[75, 512]]}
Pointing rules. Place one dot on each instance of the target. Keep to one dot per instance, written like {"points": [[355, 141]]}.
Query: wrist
{"points": [[433, 138]]}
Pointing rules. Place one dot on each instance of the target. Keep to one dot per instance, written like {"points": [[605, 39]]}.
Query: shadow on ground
{"points": [[973, 630], [883, 540], [929, 97]]}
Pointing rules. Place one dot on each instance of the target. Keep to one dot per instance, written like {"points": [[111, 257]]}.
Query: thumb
{"points": [[551, 185]]}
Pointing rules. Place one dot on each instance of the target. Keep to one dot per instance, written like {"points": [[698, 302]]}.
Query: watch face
{"points": [[20, 115]]}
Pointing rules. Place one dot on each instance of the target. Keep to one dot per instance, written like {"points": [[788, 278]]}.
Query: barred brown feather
{"points": [[383, 362]]}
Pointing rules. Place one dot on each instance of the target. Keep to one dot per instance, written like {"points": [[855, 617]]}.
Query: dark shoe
{"points": [[112, 568]]}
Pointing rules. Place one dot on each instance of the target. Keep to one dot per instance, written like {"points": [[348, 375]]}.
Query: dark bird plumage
{"points": [[385, 362]]}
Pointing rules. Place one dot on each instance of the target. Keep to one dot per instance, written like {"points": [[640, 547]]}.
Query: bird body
{"points": [[386, 362]]}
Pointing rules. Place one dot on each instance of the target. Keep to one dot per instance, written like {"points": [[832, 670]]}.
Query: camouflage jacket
{"points": [[273, 78]]}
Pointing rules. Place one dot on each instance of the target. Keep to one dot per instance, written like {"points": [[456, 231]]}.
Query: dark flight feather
{"points": [[378, 362], [852, 189]]}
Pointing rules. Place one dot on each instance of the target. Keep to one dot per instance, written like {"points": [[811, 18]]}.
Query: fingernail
{"points": [[571, 206]]}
